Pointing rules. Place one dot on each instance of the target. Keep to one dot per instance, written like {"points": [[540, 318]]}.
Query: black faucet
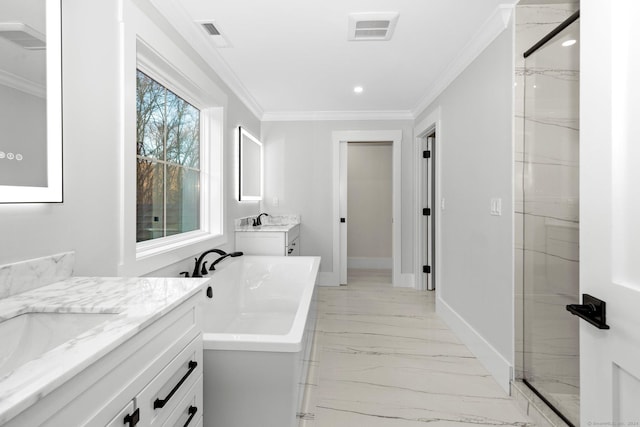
{"points": [[232, 255], [257, 222], [200, 269]]}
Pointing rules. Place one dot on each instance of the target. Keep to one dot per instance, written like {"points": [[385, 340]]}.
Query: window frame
{"points": [[188, 82], [207, 119]]}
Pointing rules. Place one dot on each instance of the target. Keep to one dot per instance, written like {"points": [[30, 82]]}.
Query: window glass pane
{"points": [[168, 198], [150, 117], [183, 132], [150, 200], [183, 200]]}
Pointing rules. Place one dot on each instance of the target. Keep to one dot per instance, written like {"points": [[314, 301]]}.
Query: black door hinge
{"points": [[426, 269], [426, 154], [426, 211]]}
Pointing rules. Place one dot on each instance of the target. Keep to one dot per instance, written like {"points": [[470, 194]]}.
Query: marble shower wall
{"points": [[546, 202], [26, 275]]}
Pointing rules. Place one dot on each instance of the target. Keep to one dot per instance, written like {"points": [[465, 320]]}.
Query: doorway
{"points": [[341, 139], [428, 211], [369, 207]]}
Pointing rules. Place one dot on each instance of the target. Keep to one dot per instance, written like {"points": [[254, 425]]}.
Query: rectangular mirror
{"points": [[30, 101], [249, 166]]}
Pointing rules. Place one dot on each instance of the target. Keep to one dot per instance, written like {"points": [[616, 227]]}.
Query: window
{"points": [[168, 162]]}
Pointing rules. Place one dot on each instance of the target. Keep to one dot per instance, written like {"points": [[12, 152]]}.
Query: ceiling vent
{"points": [[214, 34], [22, 35], [372, 26]]}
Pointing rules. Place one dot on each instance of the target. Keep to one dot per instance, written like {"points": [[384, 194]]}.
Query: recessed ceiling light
{"points": [[567, 43], [358, 89]]}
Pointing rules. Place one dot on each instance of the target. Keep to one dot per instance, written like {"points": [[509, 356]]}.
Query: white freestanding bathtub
{"points": [[258, 332]]}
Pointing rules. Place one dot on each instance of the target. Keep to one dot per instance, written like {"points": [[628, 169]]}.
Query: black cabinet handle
{"points": [[132, 419], [592, 310], [192, 413], [160, 403]]}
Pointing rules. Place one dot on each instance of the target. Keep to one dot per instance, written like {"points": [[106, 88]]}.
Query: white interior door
{"points": [[343, 211], [427, 220], [610, 210]]}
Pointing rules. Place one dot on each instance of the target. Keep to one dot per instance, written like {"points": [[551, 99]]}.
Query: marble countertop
{"points": [[138, 302], [266, 227]]}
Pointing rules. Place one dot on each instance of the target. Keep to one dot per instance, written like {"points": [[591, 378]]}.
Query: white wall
{"points": [[88, 220], [298, 171], [475, 280], [369, 208]]}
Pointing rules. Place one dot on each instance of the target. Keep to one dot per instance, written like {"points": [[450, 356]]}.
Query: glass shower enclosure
{"points": [[550, 219]]}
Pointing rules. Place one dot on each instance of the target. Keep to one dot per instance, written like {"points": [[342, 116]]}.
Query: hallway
{"points": [[384, 358]]}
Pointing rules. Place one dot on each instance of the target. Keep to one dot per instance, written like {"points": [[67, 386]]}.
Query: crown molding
{"points": [[23, 85], [490, 29], [197, 39], [296, 116]]}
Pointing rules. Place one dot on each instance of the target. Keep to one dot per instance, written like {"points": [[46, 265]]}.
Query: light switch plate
{"points": [[496, 206]]}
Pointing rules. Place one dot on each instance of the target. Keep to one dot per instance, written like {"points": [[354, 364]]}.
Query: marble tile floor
{"points": [[383, 358]]}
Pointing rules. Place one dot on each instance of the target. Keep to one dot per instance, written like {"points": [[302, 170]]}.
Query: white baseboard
{"points": [[327, 279], [494, 362], [367, 262], [406, 281]]}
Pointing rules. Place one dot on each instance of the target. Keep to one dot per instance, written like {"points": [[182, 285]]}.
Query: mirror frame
{"points": [[245, 137], [52, 193]]}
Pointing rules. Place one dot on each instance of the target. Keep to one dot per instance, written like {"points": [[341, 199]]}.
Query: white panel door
{"points": [[610, 210]]}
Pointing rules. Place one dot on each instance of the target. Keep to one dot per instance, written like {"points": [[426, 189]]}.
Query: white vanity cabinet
{"points": [[152, 379], [270, 240]]}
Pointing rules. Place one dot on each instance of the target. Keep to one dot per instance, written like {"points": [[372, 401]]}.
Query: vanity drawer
{"points": [[163, 394], [294, 248], [119, 420], [189, 411]]}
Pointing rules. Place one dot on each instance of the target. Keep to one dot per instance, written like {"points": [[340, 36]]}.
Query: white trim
{"points": [[497, 365], [370, 263], [23, 85], [431, 122], [489, 30], [293, 116], [407, 280], [395, 136], [327, 279]]}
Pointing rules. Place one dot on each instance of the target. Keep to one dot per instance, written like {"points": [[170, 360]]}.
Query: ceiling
{"points": [[293, 57]]}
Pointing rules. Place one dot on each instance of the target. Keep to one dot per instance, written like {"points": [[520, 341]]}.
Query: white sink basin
{"points": [[30, 335]]}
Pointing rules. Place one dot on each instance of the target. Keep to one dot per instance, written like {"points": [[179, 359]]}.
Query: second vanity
{"points": [[103, 351], [277, 235]]}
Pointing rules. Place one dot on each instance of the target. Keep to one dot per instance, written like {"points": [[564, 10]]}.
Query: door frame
{"points": [[432, 123], [339, 175]]}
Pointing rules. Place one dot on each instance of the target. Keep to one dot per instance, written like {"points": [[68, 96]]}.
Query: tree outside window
{"points": [[168, 162]]}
